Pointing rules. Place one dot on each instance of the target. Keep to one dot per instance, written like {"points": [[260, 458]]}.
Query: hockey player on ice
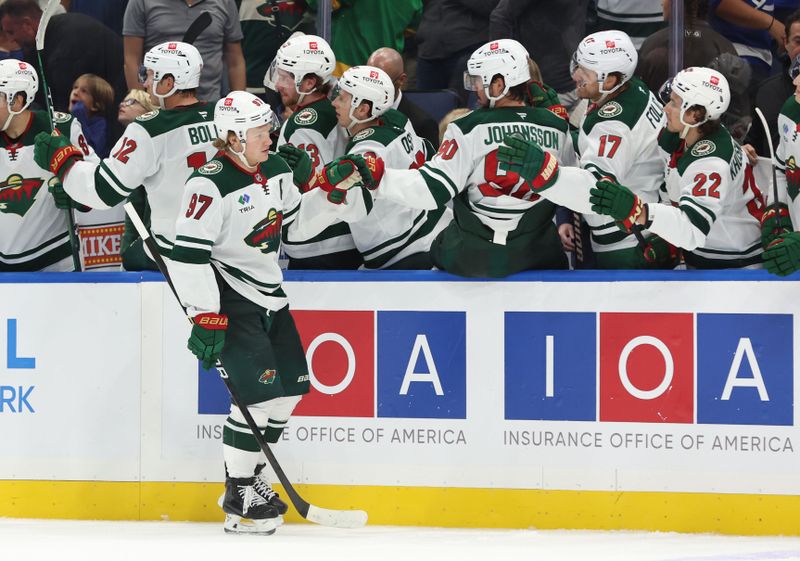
{"points": [[503, 223], [226, 273], [618, 139], [715, 204], [34, 232], [393, 236], [301, 74], [159, 149]]}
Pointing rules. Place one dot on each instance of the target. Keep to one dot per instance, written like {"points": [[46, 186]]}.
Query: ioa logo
{"points": [[610, 44]]}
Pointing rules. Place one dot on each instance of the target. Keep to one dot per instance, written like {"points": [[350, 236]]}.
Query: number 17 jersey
{"points": [[159, 150]]}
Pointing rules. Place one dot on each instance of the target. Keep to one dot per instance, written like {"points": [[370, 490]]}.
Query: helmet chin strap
{"points": [[11, 113], [160, 97], [687, 126], [354, 120], [240, 155]]}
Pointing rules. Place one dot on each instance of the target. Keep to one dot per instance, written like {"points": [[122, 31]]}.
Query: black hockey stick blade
{"points": [[197, 27], [312, 513]]}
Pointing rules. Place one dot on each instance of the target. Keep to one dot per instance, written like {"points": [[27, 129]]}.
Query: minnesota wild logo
{"points": [[266, 235], [792, 177], [268, 376], [17, 194]]}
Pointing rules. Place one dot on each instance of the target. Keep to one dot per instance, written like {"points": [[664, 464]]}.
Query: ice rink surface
{"points": [[60, 540]]}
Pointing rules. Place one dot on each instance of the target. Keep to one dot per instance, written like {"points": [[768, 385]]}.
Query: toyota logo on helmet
{"points": [[312, 45], [172, 46], [228, 101]]}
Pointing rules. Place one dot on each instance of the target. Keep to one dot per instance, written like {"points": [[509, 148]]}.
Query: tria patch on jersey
{"points": [[703, 148], [610, 109], [366, 133], [211, 168], [17, 194], [60, 117], [149, 115], [307, 116]]}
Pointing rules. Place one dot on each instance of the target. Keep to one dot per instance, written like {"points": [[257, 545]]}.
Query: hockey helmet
{"points": [[299, 56], [605, 52], [17, 77], [180, 60], [367, 83], [506, 57], [701, 86]]}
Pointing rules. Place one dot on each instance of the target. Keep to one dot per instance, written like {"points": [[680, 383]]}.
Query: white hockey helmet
{"points": [[17, 77], [180, 60], [299, 56], [701, 86], [605, 52], [367, 83], [506, 57], [239, 112]]}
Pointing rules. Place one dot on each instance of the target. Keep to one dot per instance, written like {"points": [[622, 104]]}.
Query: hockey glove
{"points": [[610, 198], [300, 162], [659, 252], [775, 223], [337, 178], [60, 197], [371, 169], [525, 157], [782, 257], [54, 152], [542, 95], [208, 337]]}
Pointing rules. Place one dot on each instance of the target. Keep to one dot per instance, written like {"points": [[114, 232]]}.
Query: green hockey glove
{"points": [[300, 162], [617, 201], [208, 337], [775, 223], [658, 251], [542, 95], [370, 166], [337, 178], [54, 152], [525, 157], [782, 257], [60, 197]]}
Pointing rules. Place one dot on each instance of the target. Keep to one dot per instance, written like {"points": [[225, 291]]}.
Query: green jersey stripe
{"points": [[442, 187], [697, 219], [199, 241], [50, 257], [694, 203], [191, 255], [51, 242]]}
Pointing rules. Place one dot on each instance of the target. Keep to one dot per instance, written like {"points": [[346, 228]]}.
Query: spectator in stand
{"points": [[391, 62], [136, 103], [152, 22], [90, 102], [9, 48], [361, 26], [775, 90], [84, 46], [751, 27], [450, 31], [265, 29], [110, 12], [549, 31], [701, 44], [637, 18]]}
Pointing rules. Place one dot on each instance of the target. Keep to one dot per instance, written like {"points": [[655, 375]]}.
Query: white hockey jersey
{"points": [[716, 206], [620, 139], [159, 150], [33, 232], [233, 220], [314, 128], [466, 166], [787, 155], [391, 231]]}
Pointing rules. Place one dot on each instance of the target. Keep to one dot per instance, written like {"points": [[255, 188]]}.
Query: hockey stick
{"points": [[48, 12], [197, 27], [319, 515], [771, 155]]}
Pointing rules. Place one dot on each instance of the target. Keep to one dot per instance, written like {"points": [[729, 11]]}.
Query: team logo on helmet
{"points": [[703, 148], [312, 45], [268, 376], [494, 46], [714, 80], [147, 116], [23, 66], [228, 101], [172, 46], [610, 44], [266, 235], [211, 168], [364, 134], [373, 74], [307, 116], [60, 117], [17, 194], [609, 110]]}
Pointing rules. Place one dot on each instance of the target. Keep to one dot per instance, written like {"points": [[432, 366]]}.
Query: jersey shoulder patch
{"points": [[703, 148], [60, 117], [307, 116], [210, 168], [718, 144], [319, 116], [382, 135], [366, 133], [149, 116], [610, 110]]}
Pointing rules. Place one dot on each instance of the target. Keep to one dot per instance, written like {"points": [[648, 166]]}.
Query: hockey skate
{"points": [[263, 487], [247, 512]]}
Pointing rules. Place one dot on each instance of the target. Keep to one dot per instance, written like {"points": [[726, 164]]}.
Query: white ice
{"points": [[65, 540]]}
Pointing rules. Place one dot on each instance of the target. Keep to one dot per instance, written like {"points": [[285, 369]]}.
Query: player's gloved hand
{"points": [[60, 197], [300, 162], [208, 337], [659, 251], [525, 157], [775, 223], [337, 178], [371, 169], [612, 199], [54, 152], [542, 95], [782, 257]]}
